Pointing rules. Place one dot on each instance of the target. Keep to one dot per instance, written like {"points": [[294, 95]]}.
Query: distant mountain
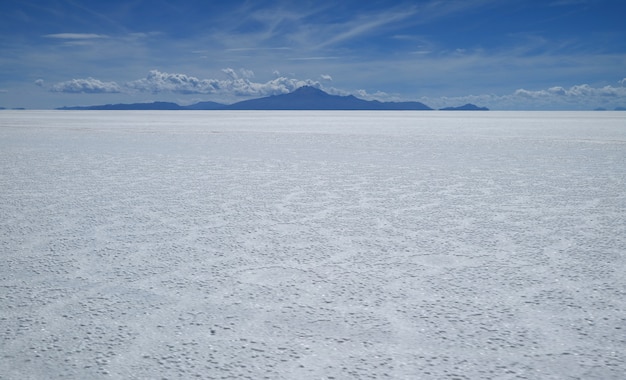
{"points": [[620, 108], [205, 106], [303, 98], [466, 107], [162, 106], [129, 107], [311, 98]]}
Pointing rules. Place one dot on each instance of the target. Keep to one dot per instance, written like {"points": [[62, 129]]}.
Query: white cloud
{"points": [[326, 77], [246, 73], [75, 36], [321, 58], [230, 73], [39, 82], [578, 92], [243, 73], [622, 82], [157, 81], [582, 96], [89, 86], [378, 95], [78, 39], [236, 84]]}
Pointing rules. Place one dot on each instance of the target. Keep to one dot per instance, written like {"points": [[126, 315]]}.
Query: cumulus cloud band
{"points": [[88, 86], [573, 92], [240, 84], [236, 83]]}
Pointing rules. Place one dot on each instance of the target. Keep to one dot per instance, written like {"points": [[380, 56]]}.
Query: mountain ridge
{"points": [[465, 107], [165, 106], [302, 98], [311, 98]]}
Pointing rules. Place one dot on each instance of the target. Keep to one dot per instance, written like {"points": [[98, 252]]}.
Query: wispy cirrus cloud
{"points": [[75, 36], [326, 77], [77, 39], [311, 58], [322, 28], [364, 25], [254, 49]]}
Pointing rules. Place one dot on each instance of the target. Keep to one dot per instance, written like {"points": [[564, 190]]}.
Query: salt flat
{"points": [[301, 245]]}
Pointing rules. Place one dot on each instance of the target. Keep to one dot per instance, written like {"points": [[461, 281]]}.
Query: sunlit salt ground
{"points": [[312, 245]]}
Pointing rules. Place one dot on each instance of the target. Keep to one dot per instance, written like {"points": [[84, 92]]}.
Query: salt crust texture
{"points": [[301, 245]]}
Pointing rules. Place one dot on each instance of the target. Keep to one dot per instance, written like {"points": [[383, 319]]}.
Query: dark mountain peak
{"points": [[312, 98], [466, 107], [309, 91], [205, 106]]}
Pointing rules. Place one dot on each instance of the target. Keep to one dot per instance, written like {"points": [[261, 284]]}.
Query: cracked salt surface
{"points": [[287, 245]]}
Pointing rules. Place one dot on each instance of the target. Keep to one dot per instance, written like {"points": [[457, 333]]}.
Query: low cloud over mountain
{"points": [[238, 84], [303, 98]]}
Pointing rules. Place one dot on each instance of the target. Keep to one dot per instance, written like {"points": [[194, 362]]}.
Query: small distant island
{"points": [[303, 98]]}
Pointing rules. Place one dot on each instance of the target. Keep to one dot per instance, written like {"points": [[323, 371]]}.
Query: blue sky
{"points": [[504, 54]]}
